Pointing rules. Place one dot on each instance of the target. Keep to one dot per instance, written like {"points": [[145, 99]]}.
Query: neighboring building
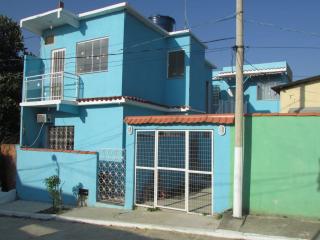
{"points": [[258, 81], [300, 96]]}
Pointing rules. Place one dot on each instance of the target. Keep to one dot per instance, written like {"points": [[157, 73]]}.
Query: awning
{"points": [[51, 19]]}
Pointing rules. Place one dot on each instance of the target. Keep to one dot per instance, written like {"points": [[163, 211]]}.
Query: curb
{"points": [[215, 233]]}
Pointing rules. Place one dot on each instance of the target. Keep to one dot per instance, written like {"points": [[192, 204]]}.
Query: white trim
{"points": [[251, 72], [47, 103], [104, 10], [156, 170], [38, 16], [69, 18]]}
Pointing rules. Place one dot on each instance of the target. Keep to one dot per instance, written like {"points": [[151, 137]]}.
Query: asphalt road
{"points": [[22, 228]]}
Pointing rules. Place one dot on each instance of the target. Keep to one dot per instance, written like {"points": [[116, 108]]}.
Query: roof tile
{"points": [[182, 119]]}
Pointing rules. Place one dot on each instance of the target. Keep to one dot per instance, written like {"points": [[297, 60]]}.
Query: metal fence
{"points": [[111, 176], [174, 170], [51, 86]]}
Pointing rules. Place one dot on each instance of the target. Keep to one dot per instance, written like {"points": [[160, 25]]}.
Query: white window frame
{"points": [[92, 40]]}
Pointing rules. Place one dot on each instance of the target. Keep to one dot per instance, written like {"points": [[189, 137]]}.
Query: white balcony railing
{"points": [[227, 106], [51, 86]]}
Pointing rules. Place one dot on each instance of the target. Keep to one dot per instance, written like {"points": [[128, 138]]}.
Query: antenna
{"points": [[186, 23]]}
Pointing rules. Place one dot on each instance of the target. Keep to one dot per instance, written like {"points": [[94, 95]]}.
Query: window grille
{"points": [[92, 56], [111, 176], [61, 137], [215, 94], [176, 64]]}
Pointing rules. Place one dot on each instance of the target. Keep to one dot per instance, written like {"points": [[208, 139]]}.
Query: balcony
{"points": [[227, 106], [50, 89]]}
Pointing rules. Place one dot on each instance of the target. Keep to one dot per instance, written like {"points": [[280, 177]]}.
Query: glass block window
{"points": [[264, 91], [61, 137], [92, 56], [176, 64]]}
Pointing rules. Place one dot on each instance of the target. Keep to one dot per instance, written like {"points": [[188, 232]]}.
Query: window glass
{"points": [[92, 56], [176, 64], [61, 137]]}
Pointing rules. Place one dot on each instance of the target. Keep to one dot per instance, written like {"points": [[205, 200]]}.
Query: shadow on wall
{"points": [[31, 186], [247, 164]]}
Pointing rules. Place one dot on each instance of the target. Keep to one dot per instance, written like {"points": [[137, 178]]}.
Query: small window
{"points": [[176, 64], [61, 137], [215, 94], [49, 40], [265, 92], [92, 56]]}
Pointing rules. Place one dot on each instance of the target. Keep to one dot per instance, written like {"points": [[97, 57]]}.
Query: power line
{"points": [[120, 53], [284, 47], [266, 24]]}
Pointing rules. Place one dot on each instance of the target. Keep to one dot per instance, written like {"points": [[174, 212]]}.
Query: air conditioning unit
{"points": [[44, 118]]}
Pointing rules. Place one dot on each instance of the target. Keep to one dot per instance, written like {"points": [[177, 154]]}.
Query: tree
{"points": [[11, 74]]}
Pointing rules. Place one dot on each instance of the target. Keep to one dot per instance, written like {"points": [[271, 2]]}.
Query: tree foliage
{"points": [[11, 74]]}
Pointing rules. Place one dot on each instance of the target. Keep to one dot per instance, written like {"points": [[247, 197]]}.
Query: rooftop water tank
{"points": [[164, 22]]}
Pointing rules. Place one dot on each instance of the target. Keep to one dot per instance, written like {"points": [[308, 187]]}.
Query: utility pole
{"points": [[238, 149]]}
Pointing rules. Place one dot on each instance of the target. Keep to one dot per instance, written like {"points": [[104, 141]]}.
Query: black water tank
{"points": [[164, 22]]}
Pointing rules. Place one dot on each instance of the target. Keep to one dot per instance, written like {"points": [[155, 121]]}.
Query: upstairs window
{"points": [[49, 39], [92, 56], [264, 91], [61, 137], [176, 64]]}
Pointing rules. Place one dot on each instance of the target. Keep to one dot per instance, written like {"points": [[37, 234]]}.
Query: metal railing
{"points": [[51, 86], [227, 106]]}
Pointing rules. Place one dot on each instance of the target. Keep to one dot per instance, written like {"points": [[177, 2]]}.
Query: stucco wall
{"points": [[299, 97], [282, 165], [75, 170]]}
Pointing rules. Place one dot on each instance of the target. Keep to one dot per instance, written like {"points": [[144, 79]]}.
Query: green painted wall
{"points": [[282, 170]]}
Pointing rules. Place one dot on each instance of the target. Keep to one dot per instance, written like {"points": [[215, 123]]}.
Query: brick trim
{"points": [[57, 150]]}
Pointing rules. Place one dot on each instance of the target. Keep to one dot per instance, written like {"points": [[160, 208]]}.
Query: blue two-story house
{"points": [[94, 69], [258, 82]]}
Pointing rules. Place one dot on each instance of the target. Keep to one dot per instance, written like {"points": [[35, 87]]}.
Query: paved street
{"points": [[20, 229]]}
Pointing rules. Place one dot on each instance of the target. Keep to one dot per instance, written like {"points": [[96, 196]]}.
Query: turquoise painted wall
{"points": [[200, 73], [95, 127], [75, 170], [177, 89], [282, 165], [99, 84], [221, 179], [144, 62]]}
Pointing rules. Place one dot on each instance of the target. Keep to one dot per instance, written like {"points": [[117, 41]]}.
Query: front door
{"points": [[57, 69]]}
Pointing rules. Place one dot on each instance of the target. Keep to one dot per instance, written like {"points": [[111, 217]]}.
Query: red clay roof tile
{"points": [[182, 119]]}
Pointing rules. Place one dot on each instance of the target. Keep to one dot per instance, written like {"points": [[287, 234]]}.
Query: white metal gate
{"points": [[174, 169]]}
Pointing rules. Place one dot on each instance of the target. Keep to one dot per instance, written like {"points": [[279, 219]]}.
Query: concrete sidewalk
{"points": [[252, 227]]}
